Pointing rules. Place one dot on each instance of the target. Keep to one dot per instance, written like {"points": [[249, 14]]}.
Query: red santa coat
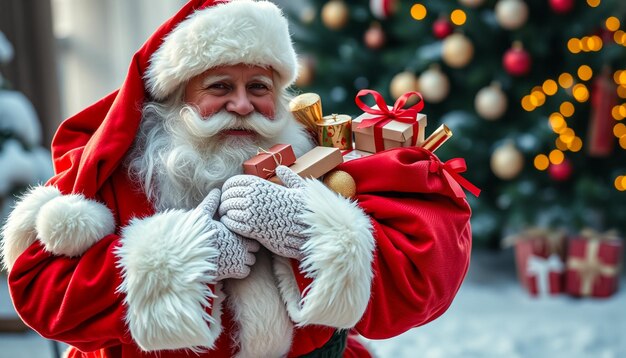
{"points": [[78, 274], [422, 247]]}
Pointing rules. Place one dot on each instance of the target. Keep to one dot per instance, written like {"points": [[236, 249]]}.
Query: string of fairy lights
{"points": [[567, 140]]}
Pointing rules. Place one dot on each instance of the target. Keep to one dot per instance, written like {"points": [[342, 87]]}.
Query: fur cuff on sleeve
{"points": [[338, 257], [167, 265], [19, 231], [70, 224]]}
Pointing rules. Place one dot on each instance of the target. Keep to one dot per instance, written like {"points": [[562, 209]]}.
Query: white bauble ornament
{"points": [[511, 14], [402, 83], [457, 50], [434, 85], [335, 14], [472, 3], [490, 102], [507, 161]]}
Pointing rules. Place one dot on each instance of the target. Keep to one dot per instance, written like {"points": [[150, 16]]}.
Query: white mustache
{"points": [[205, 127]]}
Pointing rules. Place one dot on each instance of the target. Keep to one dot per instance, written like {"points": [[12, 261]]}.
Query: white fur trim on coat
{"points": [[70, 224], [167, 263], [19, 231], [264, 328], [244, 31], [338, 257]]}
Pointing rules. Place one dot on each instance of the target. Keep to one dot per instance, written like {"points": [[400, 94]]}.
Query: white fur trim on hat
{"points": [[167, 265], [338, 256], [70, 224], [242, 31], [19, 231]]}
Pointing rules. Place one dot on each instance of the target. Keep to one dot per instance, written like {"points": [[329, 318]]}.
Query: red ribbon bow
{"points": [[384, 115], [451, 172]]}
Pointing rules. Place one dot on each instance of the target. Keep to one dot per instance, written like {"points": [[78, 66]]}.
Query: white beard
{"points": [[178, 156]]}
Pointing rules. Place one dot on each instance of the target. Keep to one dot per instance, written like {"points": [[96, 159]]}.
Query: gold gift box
{"points": [[315, 163]]}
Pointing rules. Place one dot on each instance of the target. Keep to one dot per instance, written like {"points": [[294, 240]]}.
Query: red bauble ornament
{"points": [[562, 6], [517, 61], [561, 172], [374, 37], [442, 28]]}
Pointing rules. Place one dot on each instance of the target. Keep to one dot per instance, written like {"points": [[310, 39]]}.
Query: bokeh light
{"points": [[574, 45], [549, 87], [580, 92], [541, 162], [585, 72], [612, 23], [576, 144], [566, 80], [418, 11], [556, 157], [567, 109], [593, 3], [458, 17]]}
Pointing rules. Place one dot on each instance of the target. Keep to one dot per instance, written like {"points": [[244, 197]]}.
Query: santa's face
{"points": [[238, 89], [197, 141]]}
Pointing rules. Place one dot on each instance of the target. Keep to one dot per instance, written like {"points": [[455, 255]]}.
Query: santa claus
{"points": [[148, 241]]}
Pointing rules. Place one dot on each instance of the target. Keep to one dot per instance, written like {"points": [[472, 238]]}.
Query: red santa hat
{"points": [[89, 146]]}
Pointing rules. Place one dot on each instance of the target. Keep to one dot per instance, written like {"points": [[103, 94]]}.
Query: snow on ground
{"points": [[492, 316]]}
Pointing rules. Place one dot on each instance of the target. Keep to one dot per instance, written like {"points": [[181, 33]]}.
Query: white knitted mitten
{"points": [[236, 252], [269, 213]]}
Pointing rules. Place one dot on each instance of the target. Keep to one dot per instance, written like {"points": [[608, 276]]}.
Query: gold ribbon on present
{"points": [[590, 266], [591, 234], [554, 239], [278, 159]]}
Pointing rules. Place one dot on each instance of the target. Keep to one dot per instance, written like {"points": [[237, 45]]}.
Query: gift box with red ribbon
{"points": [[383, 127], [265, 162], [593, 264]]}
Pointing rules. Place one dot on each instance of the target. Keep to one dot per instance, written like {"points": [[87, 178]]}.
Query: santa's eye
{"points": [[259, 88]]}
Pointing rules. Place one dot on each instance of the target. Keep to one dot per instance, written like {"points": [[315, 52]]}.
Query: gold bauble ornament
{"points": [[306, 71], [341, 183], [507, 161], [335, 14], [511, 14], [402, 83], [490, 102], [434, 85], [457, 50]]}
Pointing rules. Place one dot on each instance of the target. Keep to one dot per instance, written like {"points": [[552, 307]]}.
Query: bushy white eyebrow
{"points": [[266, 80]]}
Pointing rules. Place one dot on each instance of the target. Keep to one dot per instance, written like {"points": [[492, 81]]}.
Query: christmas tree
{"points": [[533, 91], [23, 160]]}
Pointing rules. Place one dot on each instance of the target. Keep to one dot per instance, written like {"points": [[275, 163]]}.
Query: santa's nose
{"points": [[239, 103]]}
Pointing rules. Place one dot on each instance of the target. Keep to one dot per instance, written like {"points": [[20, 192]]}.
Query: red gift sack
{"points": [[422, 220]]}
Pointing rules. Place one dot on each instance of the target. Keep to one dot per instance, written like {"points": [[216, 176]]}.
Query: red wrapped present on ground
{"points": [[541, 244], [593, 264], [265, 162], [383, 127], [545, 275]]}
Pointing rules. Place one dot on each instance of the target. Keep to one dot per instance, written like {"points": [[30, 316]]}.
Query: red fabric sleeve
{"points": [[423, 239], [50, 294]]}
